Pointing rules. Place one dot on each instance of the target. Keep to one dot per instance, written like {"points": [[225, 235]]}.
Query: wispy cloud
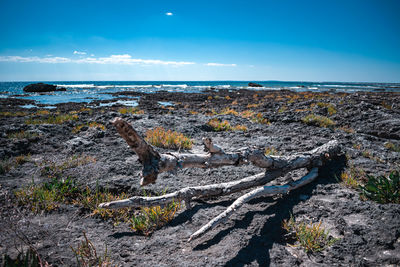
{"points": [[220, 65], [169, 14], [113, 59], [79, 53], [35, 59]]}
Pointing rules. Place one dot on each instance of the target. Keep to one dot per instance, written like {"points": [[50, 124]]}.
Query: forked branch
{"points": [[275, 166]]}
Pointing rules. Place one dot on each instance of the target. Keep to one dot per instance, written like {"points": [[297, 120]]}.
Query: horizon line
{"points": [[256, 81]]}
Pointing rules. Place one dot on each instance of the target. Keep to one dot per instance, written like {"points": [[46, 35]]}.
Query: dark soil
{"points": [[368, 232]]}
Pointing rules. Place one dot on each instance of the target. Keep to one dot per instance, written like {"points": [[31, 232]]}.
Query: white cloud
{"points": [[35, 59], [79, 53], [220, 65], [169, 14], [113, 59]]}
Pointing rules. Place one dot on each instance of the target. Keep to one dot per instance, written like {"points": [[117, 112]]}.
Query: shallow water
{"points": [[95, 90]]}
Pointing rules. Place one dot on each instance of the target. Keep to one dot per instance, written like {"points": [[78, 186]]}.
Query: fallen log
{"points": [[275, 166]]}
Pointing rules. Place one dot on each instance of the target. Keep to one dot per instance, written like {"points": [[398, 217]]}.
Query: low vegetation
{"points": [[282, 109], [47, 196], [383, 189], [346, 129], [318, 120], [28, 258], [56, 168], [253, 105], [42, 112], [53, 193], [222, 126], [353, 177], [229, 111], [386, 105], [330, 108], [7, 164], [368, 154], [311, 237], [22, 135], [57, 119], [150, 219], [13, 114], [168, 139], [259, 119], [247, 114], [86, 254], [219, 126], [92, 124], [392, 147], [130, 110], [270, 151]]}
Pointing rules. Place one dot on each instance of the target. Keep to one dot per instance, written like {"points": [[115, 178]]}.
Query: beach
{"points": [[77, 141]]}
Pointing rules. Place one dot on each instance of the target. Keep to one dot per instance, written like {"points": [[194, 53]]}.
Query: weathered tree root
{"points": [[155, 163]]}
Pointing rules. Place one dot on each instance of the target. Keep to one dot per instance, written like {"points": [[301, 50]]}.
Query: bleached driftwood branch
{"points": [[188, 193], [261, 191], [275, 166], [155, 163]]}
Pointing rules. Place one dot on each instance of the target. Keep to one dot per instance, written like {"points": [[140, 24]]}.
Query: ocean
{"points": [[78, 91]]}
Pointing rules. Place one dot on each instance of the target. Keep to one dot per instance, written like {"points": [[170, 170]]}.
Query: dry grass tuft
{"points": [[168, 139], [130, 110], [318, 120], [229, 111]]}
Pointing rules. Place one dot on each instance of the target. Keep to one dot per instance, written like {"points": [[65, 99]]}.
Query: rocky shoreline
{"points": [[367, 125]]}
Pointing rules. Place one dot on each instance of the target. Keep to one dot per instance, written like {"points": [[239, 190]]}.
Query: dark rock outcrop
{"points": [[254, 85], [41, 88]]}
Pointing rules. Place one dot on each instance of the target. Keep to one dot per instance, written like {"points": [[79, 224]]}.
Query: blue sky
{"points": [[330, 40]]}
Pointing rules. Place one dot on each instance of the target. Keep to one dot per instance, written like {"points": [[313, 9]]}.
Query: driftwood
{"points": [[275, 166]]}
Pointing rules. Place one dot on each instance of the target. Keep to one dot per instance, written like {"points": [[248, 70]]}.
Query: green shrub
{"points": [[383, 189], [318, 120]]}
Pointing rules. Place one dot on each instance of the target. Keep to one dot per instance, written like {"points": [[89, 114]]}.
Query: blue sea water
{"points": [[100, 90]]}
